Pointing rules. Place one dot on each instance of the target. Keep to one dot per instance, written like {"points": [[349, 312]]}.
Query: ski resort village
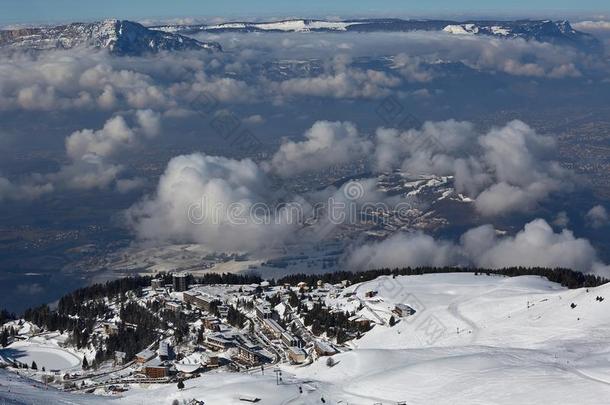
{"points": [[238, 339]]}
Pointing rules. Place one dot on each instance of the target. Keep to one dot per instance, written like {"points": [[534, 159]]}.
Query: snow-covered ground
{"points": [[473, 340], [15, 389], [45, 354], [477, 340]]}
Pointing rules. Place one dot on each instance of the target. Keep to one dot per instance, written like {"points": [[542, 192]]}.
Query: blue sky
{"points": [[23, 11]]}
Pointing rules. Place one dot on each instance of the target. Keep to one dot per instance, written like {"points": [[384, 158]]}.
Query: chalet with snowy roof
{"points": [[281, 309], [273, 328], [246, 356], [403, 310], [219, 341], [289, 339], [251, 355], [360, 321], [211, 323], [263, 312], [323, 348], [211, 361], [198, 299], [190, 364], [156, 368], [174, 306], [296, 355], [144, 356]]}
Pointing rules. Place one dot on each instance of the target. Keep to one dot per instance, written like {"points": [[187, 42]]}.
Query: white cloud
{"points": [[27, 190], [218, 202], [535, 245], [255, 119], [327, 144], [338, 80], [525, 175], [115, 134], [352, 83], [149, 122], [592, 25], [413, 68], [81, 79], [88, 172], [403, 250], [507, 169], [93, 152], [94, 159], [598, 217], [127, 185]]}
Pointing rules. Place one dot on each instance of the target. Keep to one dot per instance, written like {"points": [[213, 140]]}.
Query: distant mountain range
{"points": [[557, 32], [116, 36], [122, 37]]}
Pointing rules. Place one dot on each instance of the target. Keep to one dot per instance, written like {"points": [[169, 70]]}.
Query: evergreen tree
{"points": [[85, 363], [34, 366], [180, 385], [4, 338], [392, 321]]}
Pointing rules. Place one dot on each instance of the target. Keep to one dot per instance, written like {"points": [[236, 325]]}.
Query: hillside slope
{"points": [[474, 339]]}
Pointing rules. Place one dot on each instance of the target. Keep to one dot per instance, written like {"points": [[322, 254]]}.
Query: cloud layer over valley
{"points": [[313, 103]]}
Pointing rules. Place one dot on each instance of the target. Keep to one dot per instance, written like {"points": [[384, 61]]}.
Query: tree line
{"points": [[566, 277]]}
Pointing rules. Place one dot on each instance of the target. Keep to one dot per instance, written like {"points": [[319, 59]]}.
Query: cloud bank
{"points": [[535, 245], [214, 201], [83, 79], [326, 144], [507, 169], [94, 159]]}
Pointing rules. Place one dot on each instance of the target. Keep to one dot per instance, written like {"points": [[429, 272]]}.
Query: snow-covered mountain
{"points": [[118, 37], [560, 32], [122, 37]]}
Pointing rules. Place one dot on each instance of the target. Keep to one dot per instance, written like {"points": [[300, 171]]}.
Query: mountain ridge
{"points": [[119, 37], [558, 32]]}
